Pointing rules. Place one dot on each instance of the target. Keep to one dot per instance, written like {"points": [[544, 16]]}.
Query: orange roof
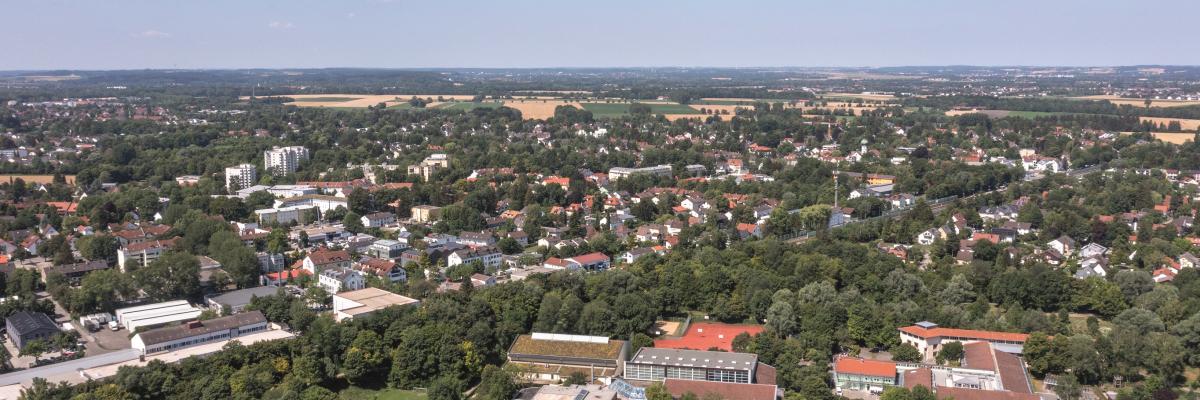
{"points": [[858, 366], [707, 335], [557, 180], [963, 333], [746, 227]]}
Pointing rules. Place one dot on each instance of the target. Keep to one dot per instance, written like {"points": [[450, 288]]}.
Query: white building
{"points": [[321, 202], [198, 332], [300, 214], [617, 173], [157, 314], [362, 302], [240, 176], [337, 280], [489, 256], [284, 160]]}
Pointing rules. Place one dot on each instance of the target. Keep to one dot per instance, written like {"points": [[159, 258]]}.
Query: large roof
{"points": [[969, 334], [243, 296], [321, 257], [708, 335], [162, 335], [371, 299], [695, 358], [25, 322], [858, 366], [724, 390], [527, 345]]}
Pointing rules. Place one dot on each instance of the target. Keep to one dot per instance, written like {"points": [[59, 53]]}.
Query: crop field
{"points": [[873, 97], [1170, 137], [42, 179], [468, 106], [612, 110], [1139, 102], [538, 109], [1006, 113]]}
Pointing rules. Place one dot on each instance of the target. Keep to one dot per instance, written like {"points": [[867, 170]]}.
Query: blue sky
{"points": [[120, 34]]}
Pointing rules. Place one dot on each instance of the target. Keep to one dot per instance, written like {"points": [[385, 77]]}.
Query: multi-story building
{"points": [[240, 176], [430, 165], [142, 253], [336, 280], [199, 332], [285, 215], [866, 375], [489, 256], [617, 173], [284, 160], [426, 213], [928, 338], [386, 249], [654, 364]]}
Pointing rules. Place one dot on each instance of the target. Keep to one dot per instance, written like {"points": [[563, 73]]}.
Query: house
{"points": [[1063, 245], [362, 302], [335, 280], [476, 239], [522, 238], [928, 338], [749, 230], [195, 333], [426, 213], [378, 220], [595, 261], [323, 259], [629, 257], [552, 357], [26, 326], [1188, 260], [387, 270], [386, 249], [489, 256], [283, 277], [1092, 250], [73, 272]]}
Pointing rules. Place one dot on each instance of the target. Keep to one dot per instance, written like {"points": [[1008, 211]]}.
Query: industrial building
{"points": [[156, 315], [199, 332]]}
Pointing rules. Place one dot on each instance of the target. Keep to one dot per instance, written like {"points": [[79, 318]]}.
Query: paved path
{"points": [[68, 367]]}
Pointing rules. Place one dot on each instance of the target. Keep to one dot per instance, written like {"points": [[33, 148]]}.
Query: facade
{"points": [[323, 203], [928, 337], [386, 249], [489, 256], [617, 173], [284, 160], [590, 262], [425, 213], [73, 272], [379, 219], [357, 303], [323, 259], [865, 375], [551, 357], [24, 327], [157, 314], [654, 364], [385, 269], [196, 333], [143, 253], [286, 215], [240, 176], [431, 164]]}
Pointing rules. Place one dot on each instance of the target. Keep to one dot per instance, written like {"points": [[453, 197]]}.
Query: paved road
{"points": [[72, 366]]}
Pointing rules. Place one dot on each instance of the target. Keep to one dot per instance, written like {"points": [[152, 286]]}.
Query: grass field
{"points": [[326, 99], [357, 393], [1079, 324], [1139, 102], [468, 106], [613, 110]]}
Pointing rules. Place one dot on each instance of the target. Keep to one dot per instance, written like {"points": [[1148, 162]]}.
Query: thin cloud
{"points": [[280, 25], [152, 34]]}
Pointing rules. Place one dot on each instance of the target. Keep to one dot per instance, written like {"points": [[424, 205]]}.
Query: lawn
{"points": [[1079, 324], [325, 99], [468, 106], [614, 110], [357, 393]]}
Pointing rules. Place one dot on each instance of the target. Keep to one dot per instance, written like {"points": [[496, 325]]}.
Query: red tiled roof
{"points": [[151, 244], [322, 257], [919, 376], [707, 335], [724, 390], [858, 366], [590, 258], [977, 394], [963, 333]]}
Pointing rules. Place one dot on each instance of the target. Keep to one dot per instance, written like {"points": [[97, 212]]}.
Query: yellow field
{"points": [[1187, 124], [876, 97], [43, 179], [1139, 102], [362, 100], [538, 109], [732, 109], [1170, 137]]}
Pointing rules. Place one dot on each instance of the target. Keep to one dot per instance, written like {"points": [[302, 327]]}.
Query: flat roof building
{"points": [[653, 364], [551, 357], [157, 314], [199, 332], [362, 302]]}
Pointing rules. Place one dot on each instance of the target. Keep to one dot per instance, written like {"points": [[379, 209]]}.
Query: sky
{"points": [[199, 34]]}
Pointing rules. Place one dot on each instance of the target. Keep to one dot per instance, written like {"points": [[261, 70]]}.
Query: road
{"points": [[67, 367]]}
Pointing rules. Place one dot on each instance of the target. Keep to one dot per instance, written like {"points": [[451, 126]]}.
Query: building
{"points": [[157, 314], [617, 173], [656, 365], [865, 375], [378, 220], [708, 335], [928, 337], [385, 269], [195, 333], [488, 256], [985, 373], [237, 300], [336, 280], [429, 165], [286, 215], [73, 272], [552, 357], [323, 259], [590, 262], [143, 253], [386, 249], [358, 303], [426, 213], [681, 388], [24, 327], [240, 176], [323, 203], [284, 160]]}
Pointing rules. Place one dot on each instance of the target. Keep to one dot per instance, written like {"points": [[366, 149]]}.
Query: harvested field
{"points": [[42, 179], [468, 106], [1186, 124], [1170, 137], [732, 109], [538, 109], [613, 110], [341, 100], [874, 97], [1140, 102]]}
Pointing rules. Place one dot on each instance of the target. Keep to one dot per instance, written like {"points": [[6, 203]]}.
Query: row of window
{"points": [[657, 373]]}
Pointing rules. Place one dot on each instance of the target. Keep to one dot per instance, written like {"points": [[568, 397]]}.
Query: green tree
{"points": [[174, 275], [445, 388], [496, 383], [951, 352], [906, 353]]}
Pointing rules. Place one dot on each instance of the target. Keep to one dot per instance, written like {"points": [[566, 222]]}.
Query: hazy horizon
{"points": [[397, 34]]}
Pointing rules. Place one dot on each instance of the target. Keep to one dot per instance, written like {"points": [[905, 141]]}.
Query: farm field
{"points": [[538, 109], [359, 100], [613, 110], [1006, 113], [875, 97], [1170, 137], [1186, 124], [42, 179], [467, 105], [1139, 102]]}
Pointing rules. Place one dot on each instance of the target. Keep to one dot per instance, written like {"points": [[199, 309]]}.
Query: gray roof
{"points": [[695, 358], [162, 335], [25, 322], [242, 296]]}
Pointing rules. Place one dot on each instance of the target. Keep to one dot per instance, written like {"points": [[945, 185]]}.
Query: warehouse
{"points": [[199, 332], [156, 315]]}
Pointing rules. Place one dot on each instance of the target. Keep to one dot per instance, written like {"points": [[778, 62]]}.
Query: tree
{"points": [[1068, 387], [495, 383], [445, 388], [906, 353], [1189, 335], [172, 276], [34, 348], [365, 357], [951, 352], [353, 222]]}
